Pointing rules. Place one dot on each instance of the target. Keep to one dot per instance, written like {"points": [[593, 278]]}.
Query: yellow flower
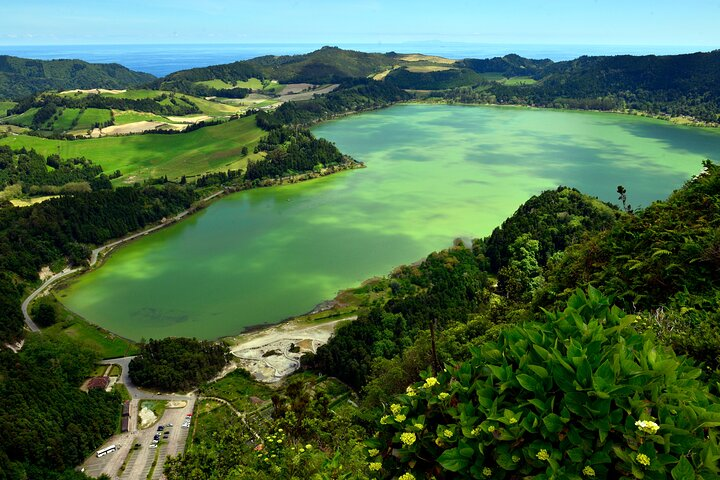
{"points": [[400, 418], [430, 382], [407, 438], [407, 476], [475, 431], [302, 450], [513, 420], [384, 420], [375, 466], [515, 459], [647, 426], [308, 446], [395, 408], [418, 426], [643, 459], [439, 442], [448, 433], [279, 440], [410, 391], [491, 428], [588, 471], [543, 455], [486, 472], [280, 430], [373, 451], [443, 395]]}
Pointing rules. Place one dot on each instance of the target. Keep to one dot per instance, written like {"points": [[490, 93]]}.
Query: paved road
{"points": [[93, 260], [28, 319], [140, 460]]}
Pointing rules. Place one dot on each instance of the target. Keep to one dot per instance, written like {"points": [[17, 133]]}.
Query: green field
{"points": [[142, 156], [211, 417], [206, 106], [123, 117], [74, 327], [24, 119], [219, 84], [64, 121], [91, 116], [5, 106], [492, 76], [520, 81], [237, 388]]}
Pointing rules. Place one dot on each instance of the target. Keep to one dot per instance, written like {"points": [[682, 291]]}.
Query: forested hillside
{"points": [[48, 424], [20, 77], [504, 359]]}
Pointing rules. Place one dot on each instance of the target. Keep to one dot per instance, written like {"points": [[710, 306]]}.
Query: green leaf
{"points": [[529, 383], [452, 460], [683, 470], [553, 423]]}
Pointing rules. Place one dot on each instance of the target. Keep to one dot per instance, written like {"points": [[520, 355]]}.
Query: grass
{"points": [[156, 406], [123, 117], [122, 389], [210, 417], [98, 371], [19, 202], [5, 106], [64, 121], [520, 81], [427, 68], [492, 76], [91, 116], [24, 119], [115, 371], [74, 327], [237, 388], [142, 156], [217, 83]]}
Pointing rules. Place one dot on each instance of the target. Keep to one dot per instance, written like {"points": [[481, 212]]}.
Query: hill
{"points": [[327, 65], [20, 77]]}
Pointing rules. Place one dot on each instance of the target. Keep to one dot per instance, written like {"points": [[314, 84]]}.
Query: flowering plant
{"points": [[579, 396]]}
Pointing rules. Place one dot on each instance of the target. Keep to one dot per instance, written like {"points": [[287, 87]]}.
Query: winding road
{"points": [[32, 326]]}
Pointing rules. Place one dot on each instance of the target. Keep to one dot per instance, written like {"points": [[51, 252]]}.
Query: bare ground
{"points": [[276, 342]]}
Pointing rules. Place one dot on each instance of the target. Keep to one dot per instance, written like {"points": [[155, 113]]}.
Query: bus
{"points": [[106, 450]]}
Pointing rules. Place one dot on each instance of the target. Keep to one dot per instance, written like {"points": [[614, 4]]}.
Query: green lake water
{"points": [[434, 173]]}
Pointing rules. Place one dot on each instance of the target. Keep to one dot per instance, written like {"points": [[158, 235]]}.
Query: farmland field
{"points": [[5, 106], [142, 156]]}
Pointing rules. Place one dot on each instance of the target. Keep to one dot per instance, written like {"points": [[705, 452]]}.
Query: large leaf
{"points": [[683, 470], [452, 460]]}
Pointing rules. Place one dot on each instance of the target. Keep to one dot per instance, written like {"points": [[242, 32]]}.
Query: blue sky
{"points": [[587, 22]]}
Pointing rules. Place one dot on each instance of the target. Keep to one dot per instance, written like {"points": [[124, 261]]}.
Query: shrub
{"points": [[581, 395]]}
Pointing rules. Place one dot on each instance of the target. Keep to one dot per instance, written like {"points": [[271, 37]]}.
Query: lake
{"points": [[434, 173]]}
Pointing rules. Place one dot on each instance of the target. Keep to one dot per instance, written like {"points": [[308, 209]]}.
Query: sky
{"points": [[549, 22]]}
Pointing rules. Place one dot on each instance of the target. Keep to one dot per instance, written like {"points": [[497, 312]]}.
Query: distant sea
{"points": [[161, 60]]}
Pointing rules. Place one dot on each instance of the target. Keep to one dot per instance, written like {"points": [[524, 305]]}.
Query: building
{"points": [[98, 382]]}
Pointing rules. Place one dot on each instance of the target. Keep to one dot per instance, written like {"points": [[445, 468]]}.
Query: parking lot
{"points": [[139, 461]]}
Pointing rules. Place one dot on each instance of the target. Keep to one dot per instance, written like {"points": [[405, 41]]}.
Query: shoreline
{"points": [[681, 121], [100, 254]]}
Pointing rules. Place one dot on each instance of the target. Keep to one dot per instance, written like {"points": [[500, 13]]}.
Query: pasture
{"points": [[140, 157]]}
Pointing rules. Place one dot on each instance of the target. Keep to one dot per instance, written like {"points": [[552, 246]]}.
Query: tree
{"points": [[45, 315]]}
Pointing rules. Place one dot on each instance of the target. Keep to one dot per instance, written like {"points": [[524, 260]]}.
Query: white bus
{"points": [[106, 450]]}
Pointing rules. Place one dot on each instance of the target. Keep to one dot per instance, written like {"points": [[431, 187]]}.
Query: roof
{"points": [[98, 382]]}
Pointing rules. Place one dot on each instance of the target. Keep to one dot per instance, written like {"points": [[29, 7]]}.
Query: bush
{"points": [[581, 395]]}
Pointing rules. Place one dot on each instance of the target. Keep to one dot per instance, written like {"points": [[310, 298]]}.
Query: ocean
{"points": [[161, 60]]}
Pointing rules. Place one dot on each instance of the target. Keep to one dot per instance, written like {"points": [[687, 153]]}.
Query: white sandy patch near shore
{"points": [[251, 347], [147, 417]]}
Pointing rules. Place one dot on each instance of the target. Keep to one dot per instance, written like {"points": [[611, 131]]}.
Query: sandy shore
{"points": [[267, 354]]}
